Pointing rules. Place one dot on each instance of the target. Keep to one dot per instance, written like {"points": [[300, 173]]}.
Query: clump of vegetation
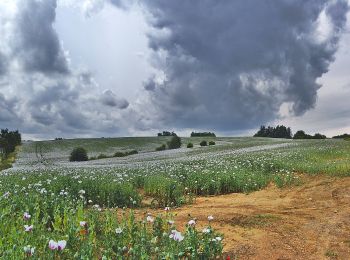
{"points": [[174, 143], [164, 191], [211, 143], [302, 135], [203, 143], [78, 154], [8, 141], [343, 136], [102, 156], [124, 154], [203, 134], [190, 145], [167, 133], [161, 148], [279, 131]]}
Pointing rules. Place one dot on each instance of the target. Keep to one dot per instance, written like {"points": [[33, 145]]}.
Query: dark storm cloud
{"points": [[232, 64], [36, 42], [40, 94], [6, 110], [2, 64], [108, 98]]}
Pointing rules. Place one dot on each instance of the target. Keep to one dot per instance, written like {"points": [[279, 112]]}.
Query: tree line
{"points": [[9, 140], [203, 134], [282, 131], [279, 131]]}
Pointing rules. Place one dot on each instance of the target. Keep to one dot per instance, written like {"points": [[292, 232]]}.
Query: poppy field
{"points": [[51, 208]]}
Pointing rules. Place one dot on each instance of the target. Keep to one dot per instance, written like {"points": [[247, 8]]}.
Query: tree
{"points": [[279, 131], [13, 138], [175, 142], [78, 154], [300, 135]]}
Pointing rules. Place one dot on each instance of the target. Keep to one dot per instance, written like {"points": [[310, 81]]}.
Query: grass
{"points": [[7, 162]]}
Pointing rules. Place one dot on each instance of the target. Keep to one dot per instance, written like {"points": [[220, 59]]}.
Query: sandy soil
{"points": [[310, 221]]}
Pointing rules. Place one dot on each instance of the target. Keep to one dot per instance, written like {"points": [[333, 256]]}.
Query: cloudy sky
{"points": [[86, 68]]}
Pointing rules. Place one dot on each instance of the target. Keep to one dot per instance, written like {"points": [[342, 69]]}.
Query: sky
{"points": [[93, 68]]}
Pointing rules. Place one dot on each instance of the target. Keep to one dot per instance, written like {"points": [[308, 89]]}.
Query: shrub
{"points": [[211, 143], [161, 148], [203, 143], [175, 142], [102, 156], [132, 152], [119, 154], [190, 145], [78, 154]]}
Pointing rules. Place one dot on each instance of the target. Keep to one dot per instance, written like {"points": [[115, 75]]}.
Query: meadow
{"points": [[53, 208]]}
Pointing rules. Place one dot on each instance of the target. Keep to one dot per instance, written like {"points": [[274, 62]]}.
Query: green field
{"points": [[58, 194]]}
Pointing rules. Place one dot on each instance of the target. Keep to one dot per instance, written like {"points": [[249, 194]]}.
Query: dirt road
{"points": [[310, 221]]}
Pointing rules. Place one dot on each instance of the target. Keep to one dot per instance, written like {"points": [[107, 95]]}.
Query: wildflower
{"points": [[53, 245], [192, 222], [81, 192], [210, 218], [206, 230], [26, 216], [150, 219], [83, 223], [176, 235], [28, 250], [167, 209], [218, 239], [171, 222], [28, 228], [61, 245], [118, 230]]}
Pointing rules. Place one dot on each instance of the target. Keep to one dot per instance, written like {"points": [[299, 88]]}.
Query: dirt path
{"points": [[311, 221]]}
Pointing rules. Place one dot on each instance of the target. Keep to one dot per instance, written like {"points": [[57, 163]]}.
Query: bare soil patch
{"points": [[310, 221]]}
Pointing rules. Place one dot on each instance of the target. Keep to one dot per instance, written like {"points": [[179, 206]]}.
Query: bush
{"points": [[211, 143], [78, 154], [203, 143], [161, 148], [175, 142], [119, 154], [102, 156], [190, 145], [132, 152]]}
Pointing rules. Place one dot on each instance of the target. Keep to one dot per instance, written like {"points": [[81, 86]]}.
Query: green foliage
{"points": [[174, 143], [93, 233], [102, 156], [165, 192], [343, 136], [161, 148], [279, 131], [9, 140], [302, 135], [203, 134], [124, 154], [203, 143], [190, 145], [166, 133], [78, 154], [211, 143]]}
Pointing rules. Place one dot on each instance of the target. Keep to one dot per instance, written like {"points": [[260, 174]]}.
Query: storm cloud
{"points": [[232, 64], [40, 93]]}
